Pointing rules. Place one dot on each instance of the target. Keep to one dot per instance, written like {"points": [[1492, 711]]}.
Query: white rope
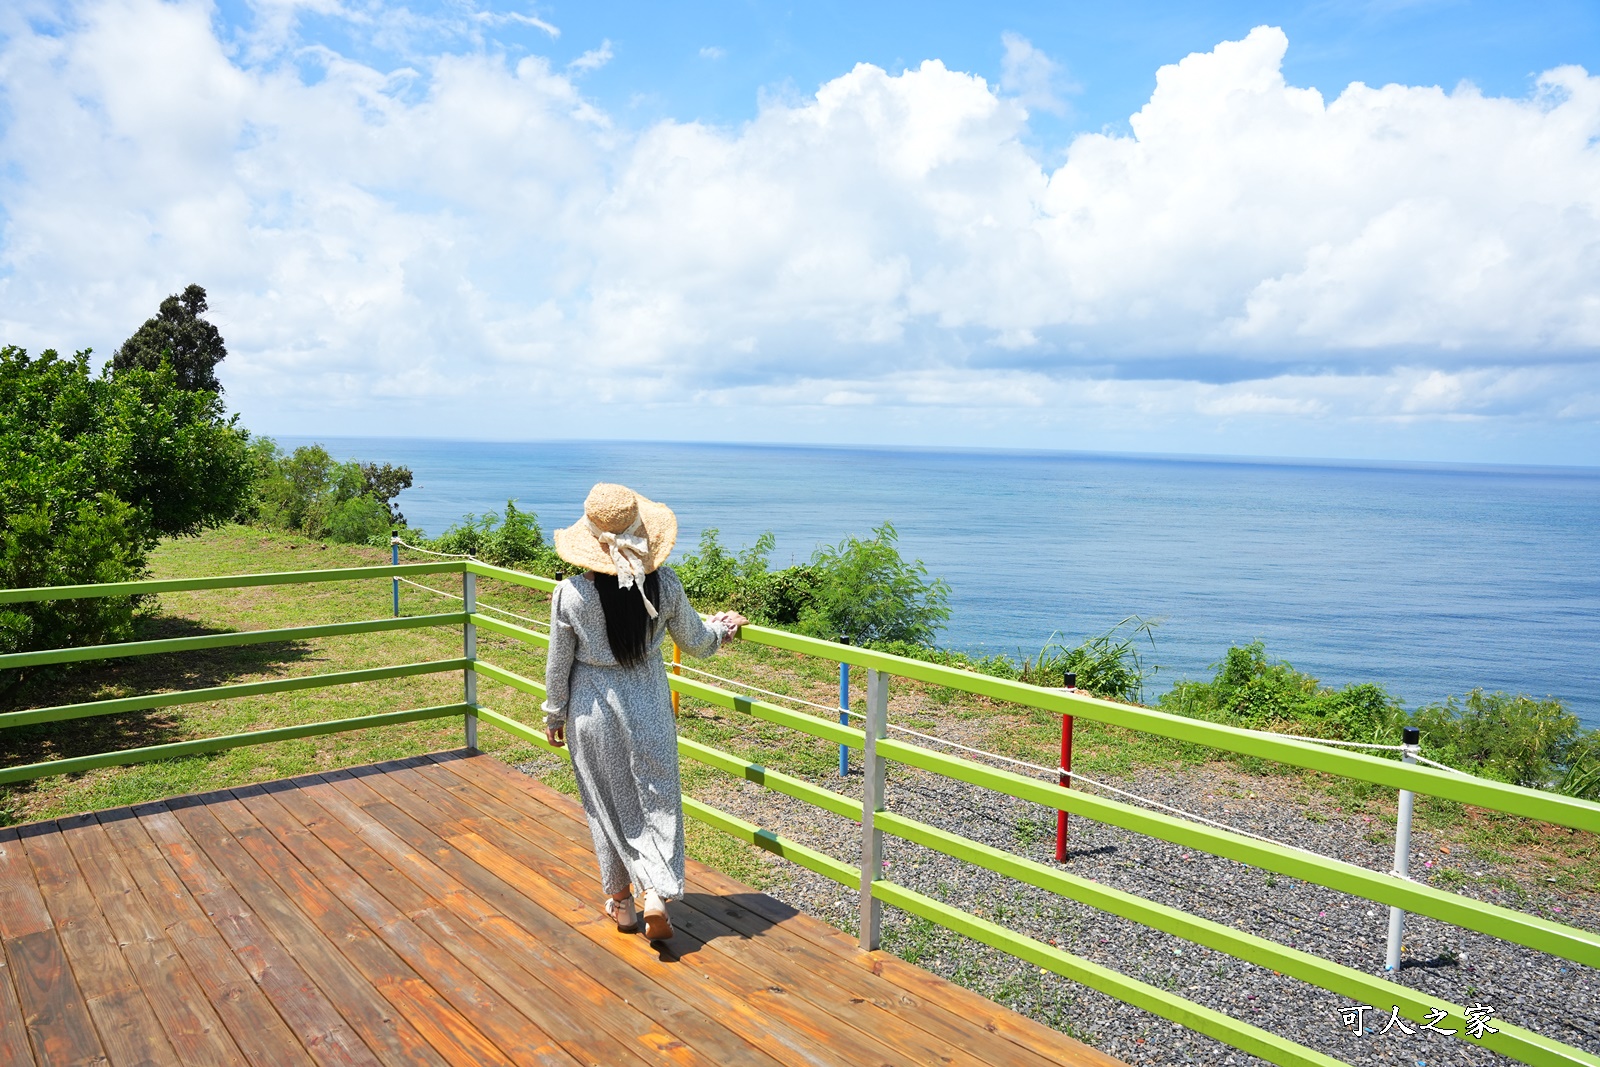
{"points": [[1076, 777], [1363, 744], [444, 555], [514, 615], [481, 604], [1330, 741], [1016, 762], [754, 689], [429, 588]]}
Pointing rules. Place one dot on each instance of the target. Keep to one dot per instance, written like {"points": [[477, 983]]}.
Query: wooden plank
{"points": [[45, 1021], [713, 1013], [464, 1020], [782, 1016], [1032, 1040], [385, 1031], [549, 1007], [57, 1019], [934, 997], [304, 1007], [756, 966], [127, 1026], [22, 909], [590, 972], [195, 1032], [14, 1046], [255, 1027]]}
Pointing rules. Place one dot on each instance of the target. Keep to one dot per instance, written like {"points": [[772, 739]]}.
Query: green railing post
{"points": [[872, 773], [469, 651], [844, 711]]}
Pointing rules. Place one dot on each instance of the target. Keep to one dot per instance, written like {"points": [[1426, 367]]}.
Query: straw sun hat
{"points": [[621, 533]]}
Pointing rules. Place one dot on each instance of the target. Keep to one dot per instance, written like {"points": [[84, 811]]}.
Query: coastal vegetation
{"points": [[99, 468]]}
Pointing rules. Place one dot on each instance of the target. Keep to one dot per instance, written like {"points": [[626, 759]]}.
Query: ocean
{"points": [[1428, 580]]}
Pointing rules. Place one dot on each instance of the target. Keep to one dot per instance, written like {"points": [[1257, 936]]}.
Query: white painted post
{"points": [[872, 773], [1402, 849], [469, 649]]}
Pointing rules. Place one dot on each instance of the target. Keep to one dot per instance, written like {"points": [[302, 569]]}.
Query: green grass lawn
{"points": [[1101, 750]]}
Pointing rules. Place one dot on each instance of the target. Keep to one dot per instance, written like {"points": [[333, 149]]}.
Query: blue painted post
{"points": [[394, 558], [844, 711]]}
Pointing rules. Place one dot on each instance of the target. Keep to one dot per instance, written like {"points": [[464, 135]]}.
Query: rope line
{"points": [[1331, 741], [429, 588], [481, 604], [755, 689], [1037, 768], [431, 552], [1077, 777], [1386, 748]]}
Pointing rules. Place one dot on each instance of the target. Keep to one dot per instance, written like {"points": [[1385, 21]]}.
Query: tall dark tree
{"points": [[178, 334]]}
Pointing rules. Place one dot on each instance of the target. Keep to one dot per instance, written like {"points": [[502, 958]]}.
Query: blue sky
{"points": [[1157, 227]]}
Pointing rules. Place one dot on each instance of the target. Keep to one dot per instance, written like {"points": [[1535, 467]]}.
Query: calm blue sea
{"points": [[1428, 580]]}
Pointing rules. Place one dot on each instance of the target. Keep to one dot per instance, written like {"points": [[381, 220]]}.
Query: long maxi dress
{"points": [[621, 733]]}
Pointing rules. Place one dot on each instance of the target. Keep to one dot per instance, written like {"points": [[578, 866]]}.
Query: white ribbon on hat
{"points": [[629, 549]]}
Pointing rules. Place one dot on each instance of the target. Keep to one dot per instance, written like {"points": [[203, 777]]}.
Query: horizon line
{"points": [[1345, 463]]}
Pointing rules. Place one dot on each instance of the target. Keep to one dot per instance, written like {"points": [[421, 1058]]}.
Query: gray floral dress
{"points": [[621, 733]]}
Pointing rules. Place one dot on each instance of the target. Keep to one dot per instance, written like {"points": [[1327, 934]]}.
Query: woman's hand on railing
{"points": [[731, 620]]}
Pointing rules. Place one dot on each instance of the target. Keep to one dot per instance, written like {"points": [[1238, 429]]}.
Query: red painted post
{"points": [[1066, 779]]}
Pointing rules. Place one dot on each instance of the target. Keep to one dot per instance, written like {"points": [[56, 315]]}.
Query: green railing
{"points": [[1580, 946]]}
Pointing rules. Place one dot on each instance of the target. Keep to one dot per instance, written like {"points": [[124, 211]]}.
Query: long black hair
{"points": [[627, 623]]}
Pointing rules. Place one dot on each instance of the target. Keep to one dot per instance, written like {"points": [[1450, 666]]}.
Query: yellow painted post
{"points": [[677, 658]]}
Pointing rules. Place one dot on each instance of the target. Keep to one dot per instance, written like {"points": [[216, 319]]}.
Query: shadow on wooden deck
{"points": [[435, 910]]}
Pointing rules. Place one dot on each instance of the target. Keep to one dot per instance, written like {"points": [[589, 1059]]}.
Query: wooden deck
{"points": [[437, 910]]}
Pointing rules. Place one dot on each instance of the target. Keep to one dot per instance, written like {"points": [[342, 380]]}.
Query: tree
{"points": [[385, 481], [310, 492], [866, 592], [96, 471], [180, 336]]}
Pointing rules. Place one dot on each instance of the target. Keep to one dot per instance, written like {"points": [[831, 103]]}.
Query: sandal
{"points": [[657, 927], [621, 912]]}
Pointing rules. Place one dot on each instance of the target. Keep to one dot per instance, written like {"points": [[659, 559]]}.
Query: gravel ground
{"points": [[1548, 995]]}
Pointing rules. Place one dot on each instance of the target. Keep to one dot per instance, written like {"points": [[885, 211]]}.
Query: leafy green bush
{"points": [[1107, 665], [97, 469], [858, 589], [717, 578], [309, 492], [1534, 743], [360, 520], [1510, 738], [864, 591], [515, 541], [1250, 689]]}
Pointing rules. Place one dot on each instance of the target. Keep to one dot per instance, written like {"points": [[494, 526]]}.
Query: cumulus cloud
{"points": [[469, 226]]}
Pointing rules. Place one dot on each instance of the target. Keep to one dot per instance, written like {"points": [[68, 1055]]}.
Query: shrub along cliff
{"points": [[97, 469]]}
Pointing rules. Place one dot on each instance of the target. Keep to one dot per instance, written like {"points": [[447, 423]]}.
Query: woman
{"points": [[606, 687]]}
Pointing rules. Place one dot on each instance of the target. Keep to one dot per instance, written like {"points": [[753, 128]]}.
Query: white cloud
{"points": [[711, 51], [469, 236], [593, 59], [501, 18], [1036, 80]]}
